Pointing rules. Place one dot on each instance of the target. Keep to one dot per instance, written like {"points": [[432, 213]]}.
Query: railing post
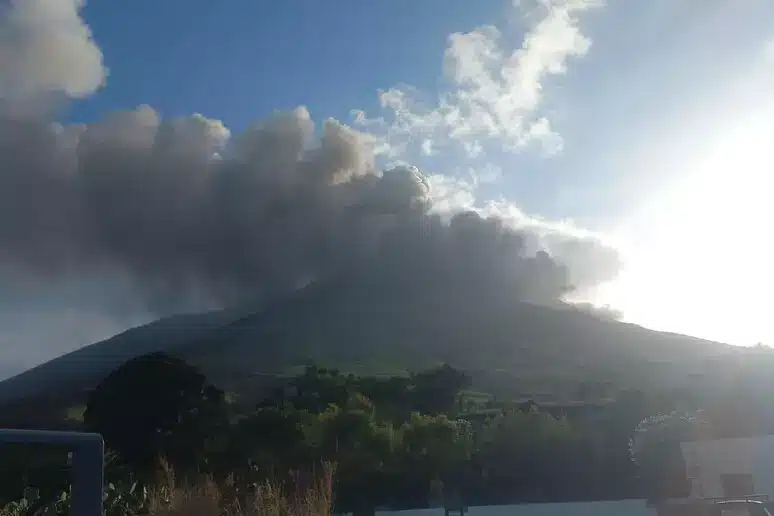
{"points": [[88, 479], [87, 463]]}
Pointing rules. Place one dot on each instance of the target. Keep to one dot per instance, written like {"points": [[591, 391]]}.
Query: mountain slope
{"points": [[481, 329], [387, 325], [83, 367]]}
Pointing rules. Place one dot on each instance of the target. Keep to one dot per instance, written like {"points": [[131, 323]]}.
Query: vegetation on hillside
{"points": [[509, 347], [396, 442]]}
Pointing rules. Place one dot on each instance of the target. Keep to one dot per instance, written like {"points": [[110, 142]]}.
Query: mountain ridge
{"points": [[406, 325]]}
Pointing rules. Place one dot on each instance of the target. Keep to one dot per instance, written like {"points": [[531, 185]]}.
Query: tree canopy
{"points": [[403, 441], [155, 406]]}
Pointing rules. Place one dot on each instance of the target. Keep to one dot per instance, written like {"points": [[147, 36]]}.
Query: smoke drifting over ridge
{"points": [[183, 211], [191, 216]]}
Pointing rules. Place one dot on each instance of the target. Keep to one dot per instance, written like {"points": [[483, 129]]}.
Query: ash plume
{"points": [[185, 215], [185, 210]]}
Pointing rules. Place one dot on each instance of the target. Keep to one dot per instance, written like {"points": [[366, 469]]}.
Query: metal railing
{"points": [[750, 497], [87, 463], [706, 501]]}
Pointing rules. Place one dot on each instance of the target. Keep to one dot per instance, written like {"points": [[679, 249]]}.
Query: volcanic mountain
{"points": [[510, 346]]}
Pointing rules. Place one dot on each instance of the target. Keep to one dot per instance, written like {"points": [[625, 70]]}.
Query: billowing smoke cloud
{"points": [[45, 49], [188, 212], [182, 215]]}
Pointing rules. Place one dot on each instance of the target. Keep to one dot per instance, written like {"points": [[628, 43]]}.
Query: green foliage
{"points": [[16, 508], [444, 443], [436, 391], [655, 449], [396, 442], [535, 454], [117, 501], [301, 496], [156, 406]]}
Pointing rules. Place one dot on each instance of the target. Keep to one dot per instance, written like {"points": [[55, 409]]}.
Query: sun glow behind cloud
{"points": [[702, 262], [697, 259]]}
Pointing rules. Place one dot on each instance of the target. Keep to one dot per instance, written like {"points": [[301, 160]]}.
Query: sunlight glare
{"points": [[703, 264]]}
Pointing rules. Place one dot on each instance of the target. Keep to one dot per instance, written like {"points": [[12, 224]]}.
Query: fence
{"points": [[87, 463]]}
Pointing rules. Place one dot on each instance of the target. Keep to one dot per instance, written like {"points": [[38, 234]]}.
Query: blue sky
{"points": [[238, 61], [644, 123]]}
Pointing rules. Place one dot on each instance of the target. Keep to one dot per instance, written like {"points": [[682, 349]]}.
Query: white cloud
{"points": [[45, 48], [496, 93], [450, 195], [473, 148], [496, 101], [768, 51], [427, 148], [489, 173]]}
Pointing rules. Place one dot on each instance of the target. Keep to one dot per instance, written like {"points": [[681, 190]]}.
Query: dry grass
{"points": [[300, 495]]}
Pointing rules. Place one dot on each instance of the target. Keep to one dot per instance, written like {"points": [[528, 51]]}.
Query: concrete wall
{"points": [[706, 461], [615, 508]]}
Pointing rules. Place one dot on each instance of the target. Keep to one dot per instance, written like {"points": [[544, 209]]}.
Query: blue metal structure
{"points": [[87, 463]]}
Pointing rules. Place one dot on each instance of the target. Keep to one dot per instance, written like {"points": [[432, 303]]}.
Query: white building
{"points": [[611, 508], [730, 468]]}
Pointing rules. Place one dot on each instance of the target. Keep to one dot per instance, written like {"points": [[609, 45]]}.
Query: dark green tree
{"points": [[436, 391], [436, 451], [156, 406], [655, 450], [364, 451], [532, 456], [269, 439]]}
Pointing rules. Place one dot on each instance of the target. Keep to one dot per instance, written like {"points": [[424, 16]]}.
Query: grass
{"points": [[75, 413], [298, 495], [265, 499]]}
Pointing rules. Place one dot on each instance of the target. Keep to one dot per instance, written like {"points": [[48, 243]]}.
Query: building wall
{"points": [[706, 461], [612, 508]]}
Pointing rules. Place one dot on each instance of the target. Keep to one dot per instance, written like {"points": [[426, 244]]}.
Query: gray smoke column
{"points": [[191, 216], [185, 210]]}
